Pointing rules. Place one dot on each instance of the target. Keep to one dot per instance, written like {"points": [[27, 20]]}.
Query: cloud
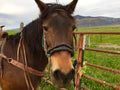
{"points": [[12, 12], [12, 9], [13, 21], [17, 7], [99, 8], [7, 20]]}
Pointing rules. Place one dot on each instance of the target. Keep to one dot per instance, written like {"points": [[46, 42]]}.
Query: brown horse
{"points": [[55, 25], [2, 34]]}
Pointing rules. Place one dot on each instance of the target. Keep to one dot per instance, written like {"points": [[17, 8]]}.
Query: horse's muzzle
{"points": [[64, 78]]}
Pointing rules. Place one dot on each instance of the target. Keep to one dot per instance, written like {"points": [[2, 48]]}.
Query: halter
{"points": [[61, 47]]}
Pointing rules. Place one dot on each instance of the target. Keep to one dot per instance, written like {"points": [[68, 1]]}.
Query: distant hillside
{"points": [[88, 21]]}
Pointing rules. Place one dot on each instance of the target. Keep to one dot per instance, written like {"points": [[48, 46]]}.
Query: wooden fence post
{"points": [[21, 26], [88, 41]]}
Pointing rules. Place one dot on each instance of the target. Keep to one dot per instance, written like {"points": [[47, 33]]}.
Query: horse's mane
{"points": [[32, 35]]}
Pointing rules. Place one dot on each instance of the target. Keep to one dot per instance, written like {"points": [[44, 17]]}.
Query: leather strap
{"points": [[21, 66], [60, 47]]}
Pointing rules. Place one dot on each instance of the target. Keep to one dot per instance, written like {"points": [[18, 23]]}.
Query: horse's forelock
{"points": [[52, 8]]}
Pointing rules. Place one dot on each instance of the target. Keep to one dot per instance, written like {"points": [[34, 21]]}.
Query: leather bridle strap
{"points": [[61, 47], [22, 66]]}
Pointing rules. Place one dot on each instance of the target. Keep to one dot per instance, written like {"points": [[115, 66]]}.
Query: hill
{"points": [[88, 21]]}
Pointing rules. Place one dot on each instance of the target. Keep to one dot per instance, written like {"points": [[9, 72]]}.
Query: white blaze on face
{"points": [[61, 61]]}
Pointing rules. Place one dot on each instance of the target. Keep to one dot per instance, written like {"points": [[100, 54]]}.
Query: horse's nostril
{"points": [[71, 74], [58, 75]]}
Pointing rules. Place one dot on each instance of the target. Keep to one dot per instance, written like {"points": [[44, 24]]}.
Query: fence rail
{"points": [[101, 81], [103, 68], [104, 51], [81, 48], [80, 33]]}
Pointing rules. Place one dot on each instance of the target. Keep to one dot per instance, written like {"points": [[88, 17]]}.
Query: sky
{"points": [[12, 12]]}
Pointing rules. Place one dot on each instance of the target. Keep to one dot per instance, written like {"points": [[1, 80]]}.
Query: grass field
{"points": [[107, 42], [11, 32]]}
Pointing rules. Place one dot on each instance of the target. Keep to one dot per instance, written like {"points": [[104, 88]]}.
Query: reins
{"points": [[23, 66], [22, 52]]}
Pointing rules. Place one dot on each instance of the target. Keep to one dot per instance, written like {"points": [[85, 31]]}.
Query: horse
{"points": [[1, 27], [47, 39], [3, 35]]}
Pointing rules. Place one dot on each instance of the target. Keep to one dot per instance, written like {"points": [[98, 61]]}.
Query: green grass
{"points": [[108, 60], [12, 32], [100, 29]]}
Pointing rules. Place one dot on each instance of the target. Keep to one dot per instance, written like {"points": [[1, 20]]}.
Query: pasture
{"points": [[107, 42]]}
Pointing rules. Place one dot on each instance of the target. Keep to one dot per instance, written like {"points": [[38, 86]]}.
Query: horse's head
{"points": [[58, 26], [2, 34]]}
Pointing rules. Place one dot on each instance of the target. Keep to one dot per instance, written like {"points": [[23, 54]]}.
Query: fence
{"points": [[79, 66]]}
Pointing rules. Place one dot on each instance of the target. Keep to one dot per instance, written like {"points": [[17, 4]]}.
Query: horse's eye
{"points": [[45, 28], [73, 27]]}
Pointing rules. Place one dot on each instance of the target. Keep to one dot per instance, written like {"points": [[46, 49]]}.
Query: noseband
{"points": [[61, 47]]}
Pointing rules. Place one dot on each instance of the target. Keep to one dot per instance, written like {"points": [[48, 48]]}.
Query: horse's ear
{"points": [[71, 6], [2, 26], [42, 6]]}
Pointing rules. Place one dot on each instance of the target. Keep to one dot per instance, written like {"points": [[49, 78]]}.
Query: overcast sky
{"points": [[12, 12]]}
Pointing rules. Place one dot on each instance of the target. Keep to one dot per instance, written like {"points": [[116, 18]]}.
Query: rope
{"points": [[27, 83], [23, 54], [1, 61], [19, 45]]}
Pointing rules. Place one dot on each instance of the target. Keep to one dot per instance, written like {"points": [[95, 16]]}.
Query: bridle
{"points": [[61, 47]]}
